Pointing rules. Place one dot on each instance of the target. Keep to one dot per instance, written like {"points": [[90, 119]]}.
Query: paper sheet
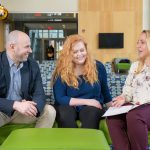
{"points": [[118, 110]]}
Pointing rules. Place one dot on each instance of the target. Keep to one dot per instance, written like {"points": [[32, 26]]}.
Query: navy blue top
{"points": [[99, 90]]}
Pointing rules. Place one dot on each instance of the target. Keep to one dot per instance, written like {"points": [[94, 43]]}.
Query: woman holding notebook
{"points": [[129, 131]]}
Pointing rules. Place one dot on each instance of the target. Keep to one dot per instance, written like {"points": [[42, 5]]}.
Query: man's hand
{"points": [[27, 108]]}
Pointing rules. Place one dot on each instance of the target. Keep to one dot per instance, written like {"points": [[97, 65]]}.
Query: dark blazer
{"points": [[31, 84]]}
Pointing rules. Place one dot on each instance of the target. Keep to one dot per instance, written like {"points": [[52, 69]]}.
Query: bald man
{"points": [[22, 98]]}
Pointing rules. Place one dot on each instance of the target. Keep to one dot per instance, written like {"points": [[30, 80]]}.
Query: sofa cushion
{"points": [[7, 129], [56, 138]]}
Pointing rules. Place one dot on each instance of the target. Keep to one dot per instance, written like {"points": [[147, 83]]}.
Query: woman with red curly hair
{"points": [[79, 85]]}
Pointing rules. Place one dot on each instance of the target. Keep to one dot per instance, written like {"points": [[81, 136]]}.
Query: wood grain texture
{"points": [[1, 36], [112, 16]]}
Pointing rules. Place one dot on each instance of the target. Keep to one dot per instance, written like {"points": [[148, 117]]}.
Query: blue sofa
{"points": [[115, 80], [115, 83]]}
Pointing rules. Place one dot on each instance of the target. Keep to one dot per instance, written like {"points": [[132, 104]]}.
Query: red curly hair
{"points": [[65, 66]]}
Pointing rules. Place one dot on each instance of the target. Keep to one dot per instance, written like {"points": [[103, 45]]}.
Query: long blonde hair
{"points": [[142, 60], [65, 67]]}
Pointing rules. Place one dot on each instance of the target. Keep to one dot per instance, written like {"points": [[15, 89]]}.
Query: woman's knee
{"points": [[132, 118], [92, 112], [65, 112]]}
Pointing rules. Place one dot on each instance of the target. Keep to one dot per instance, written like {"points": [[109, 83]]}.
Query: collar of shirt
{"points": [[11, 63]]}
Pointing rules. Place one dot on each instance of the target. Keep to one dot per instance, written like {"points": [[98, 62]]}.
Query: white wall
{"points": [[146, 14], [30, 6]]}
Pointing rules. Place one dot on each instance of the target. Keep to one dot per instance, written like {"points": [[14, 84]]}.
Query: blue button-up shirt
{"points": [[14, 92]]}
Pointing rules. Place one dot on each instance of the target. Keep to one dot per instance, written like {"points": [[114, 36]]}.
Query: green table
{"points": [[55, 139]]}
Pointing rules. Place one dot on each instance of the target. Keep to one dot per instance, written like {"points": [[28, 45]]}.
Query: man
{"points": [[22, 98]]}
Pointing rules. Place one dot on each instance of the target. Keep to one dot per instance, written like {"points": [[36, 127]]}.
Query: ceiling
{"points": [[45, 20], [51, 26], [42, 16]]}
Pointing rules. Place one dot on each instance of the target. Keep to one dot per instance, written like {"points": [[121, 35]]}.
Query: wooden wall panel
{"points": [[1, 36], [93, 6], [107, 5], [83, 6], [111, 16], [127, 19]]}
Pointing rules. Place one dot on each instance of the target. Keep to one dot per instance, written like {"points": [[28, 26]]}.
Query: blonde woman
{"points": [[130, 131], [79, 85]]}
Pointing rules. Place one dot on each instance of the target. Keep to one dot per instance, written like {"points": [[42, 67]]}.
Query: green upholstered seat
{"points": [[104, 128], [123, 67], [7, 129], [56, 139], [149, 138], [78, 124]]}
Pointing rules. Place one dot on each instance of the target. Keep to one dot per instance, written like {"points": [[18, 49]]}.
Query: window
{"points": [[44, 29]]}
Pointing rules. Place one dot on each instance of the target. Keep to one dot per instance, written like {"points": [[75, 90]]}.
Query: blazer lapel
{"points": [[6, 68], [25, 80]]}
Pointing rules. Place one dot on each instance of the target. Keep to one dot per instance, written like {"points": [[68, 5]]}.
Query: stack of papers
{"points": [[119, 110]]}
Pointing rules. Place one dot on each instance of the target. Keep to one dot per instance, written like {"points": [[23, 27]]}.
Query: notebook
{"points": [[119, 110]]}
